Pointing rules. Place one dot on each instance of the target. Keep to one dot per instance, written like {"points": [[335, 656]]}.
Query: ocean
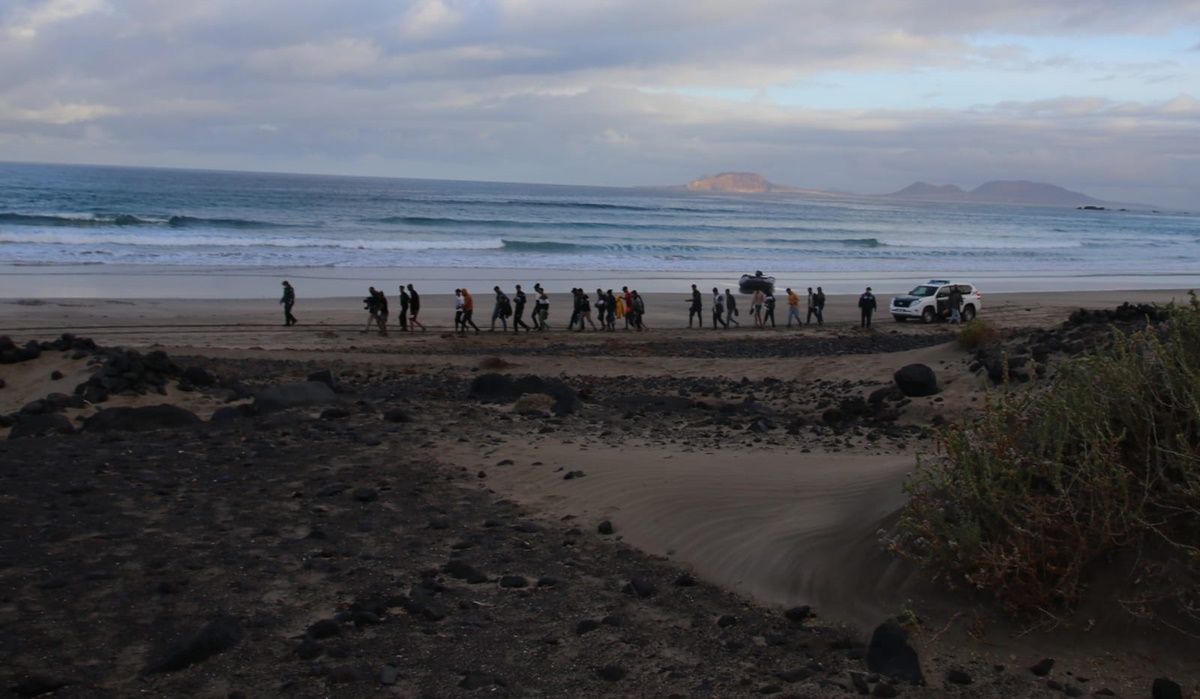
{"points": [[55, 215]]}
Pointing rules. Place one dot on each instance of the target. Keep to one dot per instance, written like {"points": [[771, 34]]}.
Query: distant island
{"points": [[997, 192], [733, 183], [1023, 192]]}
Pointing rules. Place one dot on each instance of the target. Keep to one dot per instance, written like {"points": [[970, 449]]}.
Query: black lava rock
{"points": [[143, 419], [217, 636], [1164, 688], [889, 653], [916, 380]]}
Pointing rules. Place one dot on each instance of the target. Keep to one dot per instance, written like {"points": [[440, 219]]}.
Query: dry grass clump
{"points": [[1105, 458], [976, 334]]}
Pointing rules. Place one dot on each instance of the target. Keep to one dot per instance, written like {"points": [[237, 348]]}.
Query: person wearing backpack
{"points": [[501, 310]]}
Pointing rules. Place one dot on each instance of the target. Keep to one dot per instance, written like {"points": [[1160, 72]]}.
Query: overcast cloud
{"points": [[1096, 95]]}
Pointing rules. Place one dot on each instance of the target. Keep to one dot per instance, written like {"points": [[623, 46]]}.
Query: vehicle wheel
{"points": [[900, 319], [968, 314], [928, 315]]}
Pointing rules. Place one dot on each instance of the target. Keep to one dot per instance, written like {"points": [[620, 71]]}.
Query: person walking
{"points": [[769, 310], [381, 311], [811, 302], [610, 310], [639, 311], [601, 307], [867, 304], [696, 309], [793, 308], [468, 311], [629, 312], [403, 317], [541, 309], [756, 306], [501, 310], [956, 302], [458, 310], [519, 301], [575, 309], [414, 308], [718, 310], [621, 309], [288, 300], [820, 300], [585, 311], [730, 309]]}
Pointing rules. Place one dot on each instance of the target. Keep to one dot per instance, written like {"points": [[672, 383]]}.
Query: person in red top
{"points": [[468, 310], [628, 305]]}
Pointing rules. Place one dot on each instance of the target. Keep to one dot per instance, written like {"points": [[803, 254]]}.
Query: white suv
{"points": [[931, 300]]}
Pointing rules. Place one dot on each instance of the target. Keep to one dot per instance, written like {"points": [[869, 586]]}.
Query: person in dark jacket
{"points": [[730, 309], [769, 310], [519, 302], [414, 308], [696, 309], [403, 317], [610, 310], [956, 302], [501, 310], [820, 300], [288, 300], [867, 304], [639, 310]]}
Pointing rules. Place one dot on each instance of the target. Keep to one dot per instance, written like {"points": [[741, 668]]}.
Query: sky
{"points": [[1100, 96]]}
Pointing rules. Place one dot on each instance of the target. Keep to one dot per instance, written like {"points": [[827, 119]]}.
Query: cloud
{"points": [[317, 60], [609, 91], [28, 20]]}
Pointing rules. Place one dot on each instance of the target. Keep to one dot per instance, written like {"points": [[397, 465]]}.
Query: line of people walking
{"points": [[600, 312]]}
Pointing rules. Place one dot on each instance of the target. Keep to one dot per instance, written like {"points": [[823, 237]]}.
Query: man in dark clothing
{"points": [[867, 304], [576, 310], [730, 309], [519, 301], [414, 307], [820, 299], [639, 310], [696, 308], [812, 308], [955, 305], [769, 305], [610, 310], [404, 300], [288, 300], [501, 310]]}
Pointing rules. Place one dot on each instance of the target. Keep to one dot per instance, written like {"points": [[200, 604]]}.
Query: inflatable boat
{"points": [[751, 283]]}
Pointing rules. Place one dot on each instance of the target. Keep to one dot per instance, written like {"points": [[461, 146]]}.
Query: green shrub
{"points": [[976, 334], [1105, 457]]}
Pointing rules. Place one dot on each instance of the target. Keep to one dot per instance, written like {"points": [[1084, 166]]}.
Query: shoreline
{"points": [[238, 283]]}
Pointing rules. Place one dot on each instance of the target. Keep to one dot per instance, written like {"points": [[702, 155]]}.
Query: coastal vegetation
{"points": [[1055, 486]]}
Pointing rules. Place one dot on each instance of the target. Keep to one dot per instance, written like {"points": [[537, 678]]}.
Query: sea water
{"points": [[89, 215]]}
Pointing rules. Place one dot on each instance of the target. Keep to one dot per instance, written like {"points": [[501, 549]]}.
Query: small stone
{"points": [[685, 580], [611, 673], [1164, 688], [586, 626], [726, 620], [798, 614], [513, 581], [366, 494], [885, 690], [859, 680], [605, 527], [309, 649], [388, 676], [1043, 667], [640, 587], [956, 676], [325, 628]]}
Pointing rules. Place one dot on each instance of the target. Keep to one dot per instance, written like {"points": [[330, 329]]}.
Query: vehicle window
{"points": [[923, 291], [965, 289], [944, 291]]}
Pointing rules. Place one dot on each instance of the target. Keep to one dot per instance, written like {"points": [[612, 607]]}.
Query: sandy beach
{"points": [[761, 463]]}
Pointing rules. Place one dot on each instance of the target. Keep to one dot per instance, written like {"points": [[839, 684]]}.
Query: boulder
{"points": [[198, 376], [27, 425], [889, 653], [293, 395], [916, 380], [143, 419], [324, 376], [217, 636], [501, 388]]}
